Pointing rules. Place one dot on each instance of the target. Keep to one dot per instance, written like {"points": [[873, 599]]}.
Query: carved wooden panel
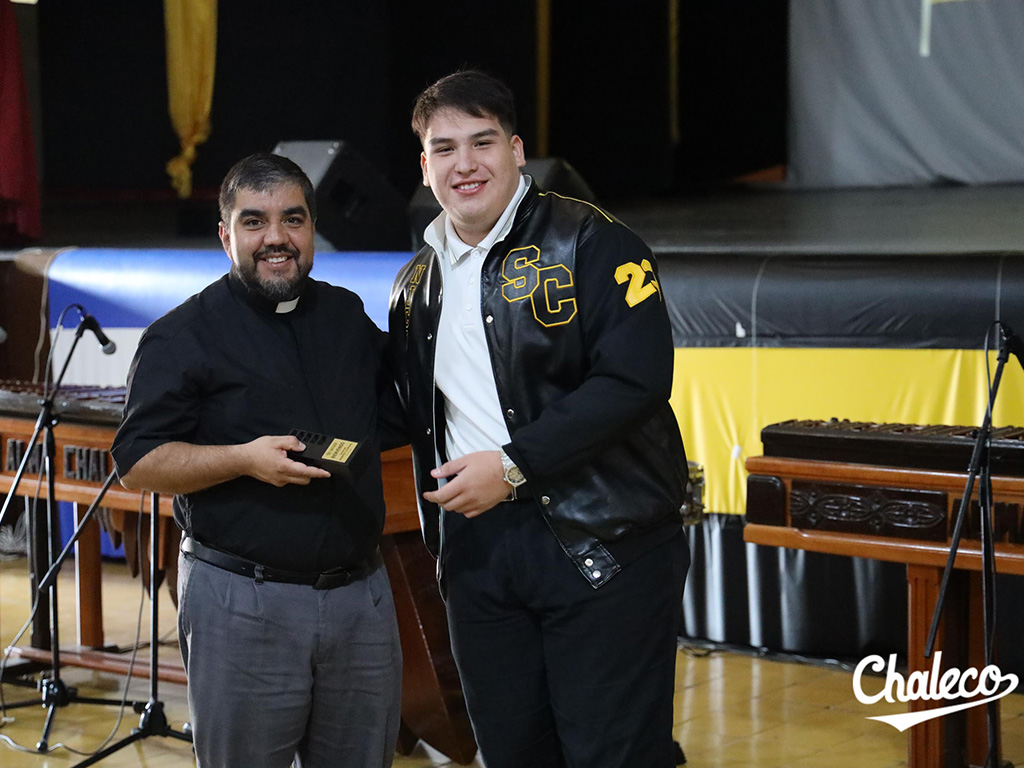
{"points": [[908, 514]]}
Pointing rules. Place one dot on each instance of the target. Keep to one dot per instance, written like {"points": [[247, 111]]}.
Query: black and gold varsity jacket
{"points": [[581, 347]]}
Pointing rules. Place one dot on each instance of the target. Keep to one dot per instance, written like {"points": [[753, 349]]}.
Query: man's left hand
{"points": [[479, 485]]}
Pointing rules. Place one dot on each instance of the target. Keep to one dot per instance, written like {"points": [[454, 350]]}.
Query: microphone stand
{"points": [[51, 575], [153, 721], [980, 468], [55, 693]]}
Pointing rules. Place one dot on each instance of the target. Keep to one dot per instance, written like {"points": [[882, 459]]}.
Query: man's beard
{"points": [[276, 289]]}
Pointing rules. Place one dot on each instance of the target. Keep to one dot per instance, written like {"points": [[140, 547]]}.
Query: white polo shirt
{"points": [[462, 365]]}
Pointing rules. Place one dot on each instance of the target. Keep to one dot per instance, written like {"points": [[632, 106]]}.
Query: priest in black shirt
{"points": [[286, 621]]}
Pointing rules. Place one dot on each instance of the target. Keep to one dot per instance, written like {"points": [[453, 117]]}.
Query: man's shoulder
{"points": [[563, 217], [336, 297], [597, 236], [572, 207], [407, 283], [194, 311], [410, 274], [583, 222], [424, 255]]}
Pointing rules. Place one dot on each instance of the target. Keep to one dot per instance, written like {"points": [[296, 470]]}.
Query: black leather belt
{"points": [[337, 577]]}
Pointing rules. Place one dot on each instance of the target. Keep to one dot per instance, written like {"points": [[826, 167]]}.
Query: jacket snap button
{"points": [[489, 318], [545, 500], [588, 562], [428, 430], [596, 574], [430, 336], [510, 413]]}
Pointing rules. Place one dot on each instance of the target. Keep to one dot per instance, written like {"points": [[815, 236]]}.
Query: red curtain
{"points": [[19, 180]]}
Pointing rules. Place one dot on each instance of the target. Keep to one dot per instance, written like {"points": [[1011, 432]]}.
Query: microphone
{"points": [[91, 323], [1012, 342]]}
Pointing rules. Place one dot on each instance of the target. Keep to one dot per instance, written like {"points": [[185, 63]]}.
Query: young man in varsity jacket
{"points": [[535, 359]]}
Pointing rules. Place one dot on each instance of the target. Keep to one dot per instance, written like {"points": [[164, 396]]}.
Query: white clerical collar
{"points": [[287, 306], [442, 237]]}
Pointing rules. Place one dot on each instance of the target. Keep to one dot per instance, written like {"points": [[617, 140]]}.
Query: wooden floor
{"points": [[732, 709]]}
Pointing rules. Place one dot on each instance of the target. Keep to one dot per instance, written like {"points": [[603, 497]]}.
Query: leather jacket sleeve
{"points": [[628, 341]]}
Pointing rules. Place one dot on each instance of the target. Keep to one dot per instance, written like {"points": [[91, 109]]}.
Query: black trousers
{"points": [[555, 672]]}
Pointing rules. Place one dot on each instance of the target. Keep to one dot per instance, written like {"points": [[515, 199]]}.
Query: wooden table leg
{"points": [[89, 583], [959, 739], [926, 747]]}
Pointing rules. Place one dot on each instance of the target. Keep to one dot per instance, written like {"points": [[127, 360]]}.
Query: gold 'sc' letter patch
{"points": [[555, 303]]}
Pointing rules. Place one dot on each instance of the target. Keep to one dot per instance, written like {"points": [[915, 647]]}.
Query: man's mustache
{"points": [[279, 250]]}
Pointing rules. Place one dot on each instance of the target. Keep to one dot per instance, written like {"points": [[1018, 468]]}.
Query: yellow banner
{"points": [[723, 397]]}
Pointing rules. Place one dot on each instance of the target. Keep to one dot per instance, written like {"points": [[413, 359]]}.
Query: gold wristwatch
{"points": [[513, 475]]}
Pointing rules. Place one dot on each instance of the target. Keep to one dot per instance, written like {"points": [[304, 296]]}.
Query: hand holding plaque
{"points": [[342, 458]]}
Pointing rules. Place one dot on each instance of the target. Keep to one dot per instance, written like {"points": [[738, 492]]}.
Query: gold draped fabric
{"points": [[191, 27]]}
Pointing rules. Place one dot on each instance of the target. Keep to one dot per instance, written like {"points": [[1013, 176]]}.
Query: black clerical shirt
{"points": [[225, 368]]}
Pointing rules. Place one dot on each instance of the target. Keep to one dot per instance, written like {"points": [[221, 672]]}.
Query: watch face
{"points": [[515, 476]]}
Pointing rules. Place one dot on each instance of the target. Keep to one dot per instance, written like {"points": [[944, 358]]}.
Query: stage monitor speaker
{"points": [[357, 209], [551, 173]]}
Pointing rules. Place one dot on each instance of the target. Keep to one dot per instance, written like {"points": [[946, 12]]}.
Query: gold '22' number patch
{"points": [[639, 289], [549, 289]]}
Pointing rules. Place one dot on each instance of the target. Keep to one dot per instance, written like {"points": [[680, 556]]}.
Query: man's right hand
{"points": [[186, 468], [266, 459]]}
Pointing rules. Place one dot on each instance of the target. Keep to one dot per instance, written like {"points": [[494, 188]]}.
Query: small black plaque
{"points": [[338, 456]]}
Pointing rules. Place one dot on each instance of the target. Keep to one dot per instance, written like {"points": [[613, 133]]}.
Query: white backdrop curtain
{"points": [[870, 107]]}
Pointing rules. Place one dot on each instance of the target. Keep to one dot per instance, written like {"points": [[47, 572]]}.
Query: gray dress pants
{"points": [[283, 672]]}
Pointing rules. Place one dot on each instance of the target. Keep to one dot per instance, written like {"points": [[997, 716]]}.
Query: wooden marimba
{"points": [[892, 492]]}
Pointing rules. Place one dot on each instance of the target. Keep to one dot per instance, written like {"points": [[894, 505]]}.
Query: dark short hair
{"points": [[471, 91], [262, 172]]}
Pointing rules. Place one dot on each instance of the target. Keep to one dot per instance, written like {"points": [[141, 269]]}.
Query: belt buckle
{"points": [[332, 579]]}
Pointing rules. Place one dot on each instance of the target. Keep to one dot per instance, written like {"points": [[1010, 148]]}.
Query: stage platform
{"points": [[769, 219], [747, 219]]}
